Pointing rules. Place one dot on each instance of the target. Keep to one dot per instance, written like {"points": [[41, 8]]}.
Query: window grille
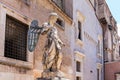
{"points": [[15, 39], [78, 78], [80, 30], [60, 4], [78, 66], [98, 74], [60, 22], [27, 2]]}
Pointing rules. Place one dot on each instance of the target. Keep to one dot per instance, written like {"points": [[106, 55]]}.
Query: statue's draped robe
{"points": [[52, 56]]}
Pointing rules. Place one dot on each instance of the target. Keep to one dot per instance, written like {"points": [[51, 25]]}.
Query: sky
{"points": [[114, 6]]}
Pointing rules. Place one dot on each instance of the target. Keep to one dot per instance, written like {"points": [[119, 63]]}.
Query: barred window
{"points": [[98, 74], [80, 30], [27, 2], [60, 22], [15, 39], [78, 78], [60, 3], [78, 66]]}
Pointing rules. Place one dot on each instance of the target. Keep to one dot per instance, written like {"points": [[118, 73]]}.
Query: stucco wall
{"points": [[91, 29]]}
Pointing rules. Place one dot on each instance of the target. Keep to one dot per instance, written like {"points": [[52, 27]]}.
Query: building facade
{"points": [[83, 25], [16, 62], [110, 42], [88, 41]]}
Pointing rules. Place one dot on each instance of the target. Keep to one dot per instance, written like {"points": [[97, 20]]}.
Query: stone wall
{"points": [[26, 12]]}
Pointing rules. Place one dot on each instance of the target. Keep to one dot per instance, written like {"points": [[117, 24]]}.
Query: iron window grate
{"points": [[78, 66], [78, 78], [80, 30], [15, 39], [60, 4]]}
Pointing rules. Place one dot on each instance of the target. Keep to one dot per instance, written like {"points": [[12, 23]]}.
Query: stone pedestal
{"points": [[42, 79], [56, 78], [52, 76]]}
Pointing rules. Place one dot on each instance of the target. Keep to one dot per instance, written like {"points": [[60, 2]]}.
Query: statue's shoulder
{"points": [[45, 24]]}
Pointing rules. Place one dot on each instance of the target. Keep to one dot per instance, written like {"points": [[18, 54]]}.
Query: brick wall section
{"points": [[111, 69]]}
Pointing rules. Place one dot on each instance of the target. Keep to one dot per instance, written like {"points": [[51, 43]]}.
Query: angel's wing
{"points": [[33, 35]]}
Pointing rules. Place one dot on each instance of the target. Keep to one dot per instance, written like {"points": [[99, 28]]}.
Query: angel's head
{"points": [[53, 17]]}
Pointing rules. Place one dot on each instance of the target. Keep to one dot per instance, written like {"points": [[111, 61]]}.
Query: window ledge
{"points": [[80, 42], [16, 63], [79, 74]]}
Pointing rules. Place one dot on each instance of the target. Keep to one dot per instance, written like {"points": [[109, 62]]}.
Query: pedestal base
{"points": [[47, 75], [42, 79], [56, 78]]}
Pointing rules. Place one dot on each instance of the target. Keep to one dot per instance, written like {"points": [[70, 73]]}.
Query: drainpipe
{"points": [[103, 55], [104, 50]]}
